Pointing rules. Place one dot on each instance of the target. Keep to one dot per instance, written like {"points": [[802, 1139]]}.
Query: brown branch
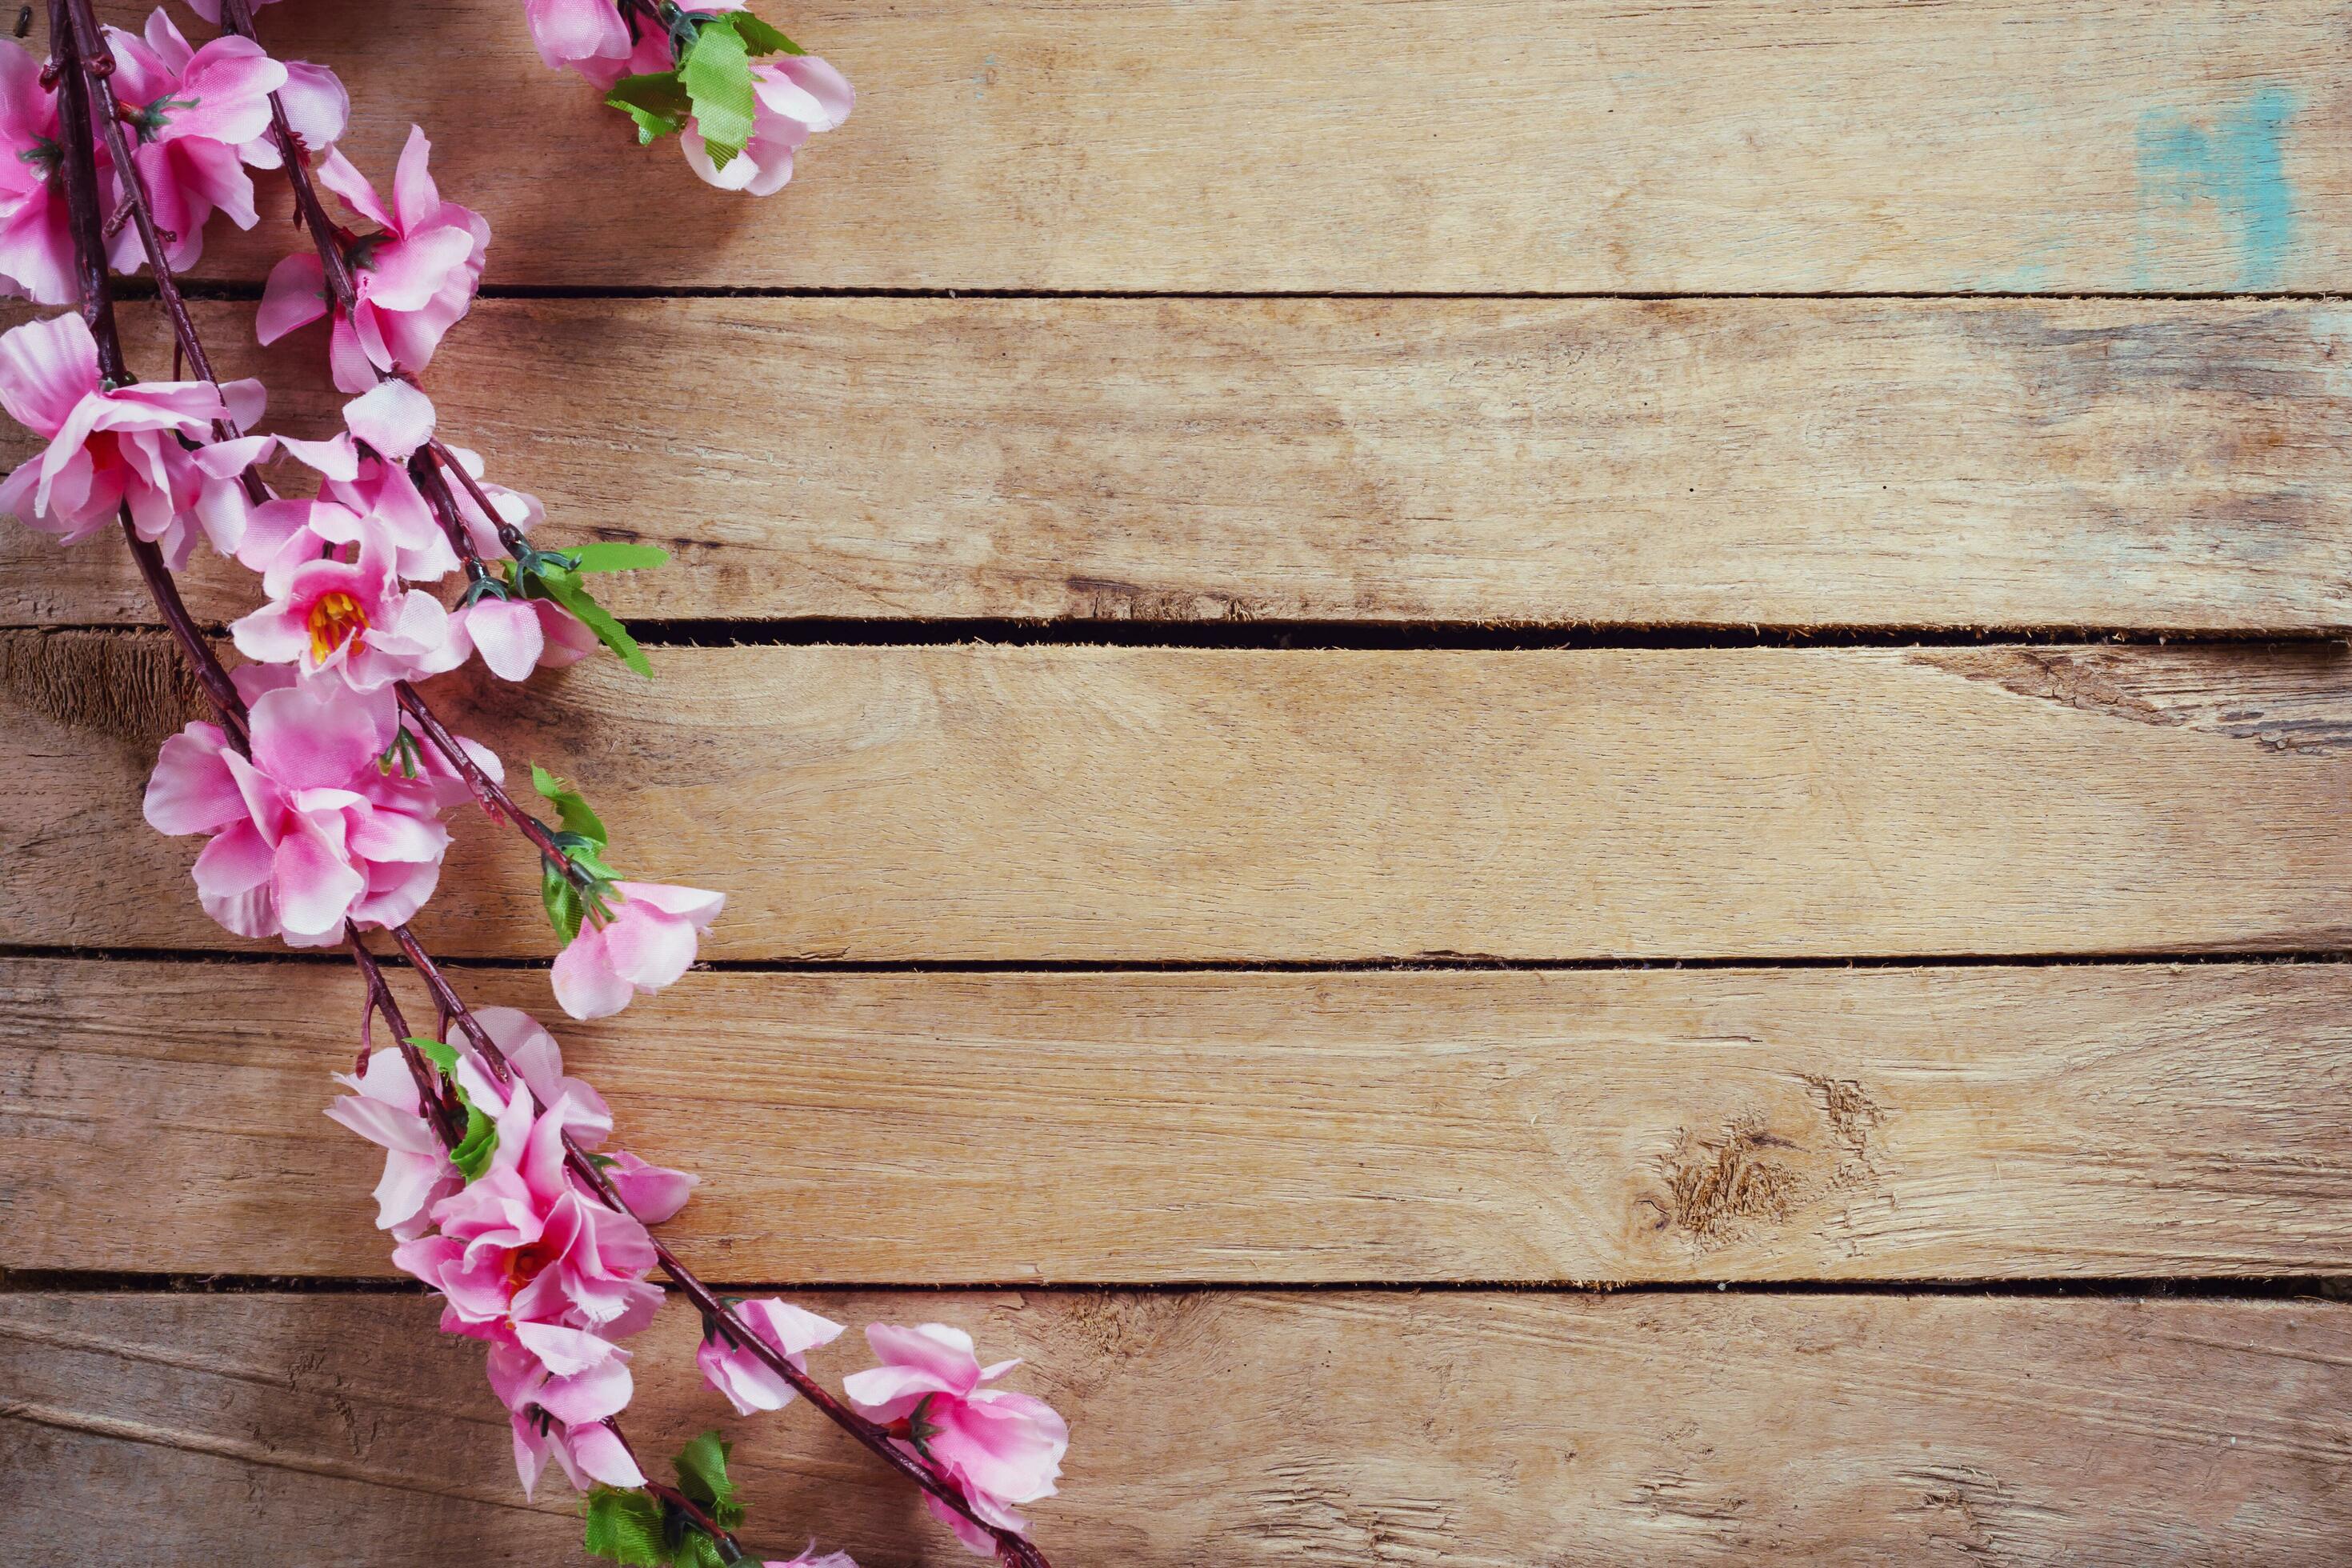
{"points": [[78, 40]]}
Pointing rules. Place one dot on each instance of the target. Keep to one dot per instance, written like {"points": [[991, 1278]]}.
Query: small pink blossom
{"points": [[592, 1454], [353, 618], [646, 945], [999, 1448], [515, 637], [794, 97], [650, 54], [309, 832], [189, 111], [37, 249], [810, 1560], [652, 1192], [384, 1109], [522, 1244], [577, 32], [414, 281], [110, 449], [735, 1371]]}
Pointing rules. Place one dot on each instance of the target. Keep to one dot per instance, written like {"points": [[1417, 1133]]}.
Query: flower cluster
{"points": [[322, 793]]}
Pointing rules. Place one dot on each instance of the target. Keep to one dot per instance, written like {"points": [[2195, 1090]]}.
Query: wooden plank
{"points": [[2155, 465], [1336, 1427], [1787, 146], [1255, 1127], [1099, 804]]}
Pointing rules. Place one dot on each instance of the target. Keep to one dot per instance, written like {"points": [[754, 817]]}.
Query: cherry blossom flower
{"points": [[109, 449], [646, 944], [414, 281], [515, 637], [309, 831], [589, 1454], [354, 618], [749, 1383], [650, 53], [384, 1109], [1000, 1449], [522, 1244], [653, 1192], [810, 1560], [37, 251], [794, 98], [578, 32], [188, 111]]}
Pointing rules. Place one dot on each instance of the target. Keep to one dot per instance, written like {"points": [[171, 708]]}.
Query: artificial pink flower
{"points": [[573, 1374], [37, 249], [309, 831], [108, 449], [735, 1371], [523, 1244], [352, 618], [794, 98], [999, 1448], [188, 112], [384, 1109], [810, 1560], [414, 281], [515, 637], [575, 32], [647, 944], [317, 110], [588, 1455], [650, 54]]}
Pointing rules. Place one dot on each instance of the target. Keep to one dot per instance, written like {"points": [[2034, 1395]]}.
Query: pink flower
{"points": [[794, 97], [998, 1447], [573, 32], [309, 832], [647, 944], [110, 449], [414, 281], [383, 1108], [592, 1453], [522, 1244], [650, 54], [734, 1370], [810, 1560], [515, 637], [190, 110], [354, 618], [37, 249]]}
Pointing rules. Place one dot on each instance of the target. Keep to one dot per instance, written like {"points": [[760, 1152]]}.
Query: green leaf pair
{"points": [[711, 84], [581, 884], [637, 1528]]}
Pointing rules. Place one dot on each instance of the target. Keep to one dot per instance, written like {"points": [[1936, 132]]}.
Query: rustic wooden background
{"points": [[1359, 667]]}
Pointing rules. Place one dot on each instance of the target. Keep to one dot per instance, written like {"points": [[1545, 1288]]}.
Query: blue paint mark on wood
{"points": [[2232, 172]]}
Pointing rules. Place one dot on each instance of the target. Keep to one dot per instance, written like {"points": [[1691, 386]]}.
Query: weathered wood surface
{"points": [[1339, 1427], [2154, 465], [1097, 804], [1253, 1128], [1312, 145]]}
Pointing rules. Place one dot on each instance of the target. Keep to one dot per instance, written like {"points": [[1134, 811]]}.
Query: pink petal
{"points": [[601, 1457], [584, 980], [230, 80], [648, 949], [237, 861], [395, 419], [699, 905], [654, 1192], [318, 733], [191, 789], [939, 1350], [413, 195], [47, 368], [506, 634], [315, 885], [295, 296], [335, 171]]}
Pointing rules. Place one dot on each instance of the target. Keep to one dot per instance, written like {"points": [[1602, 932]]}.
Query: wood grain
{"points": [[1096, 803], [1255, 1128], [1780, 146], [2153, 465], [1330, 1428]]}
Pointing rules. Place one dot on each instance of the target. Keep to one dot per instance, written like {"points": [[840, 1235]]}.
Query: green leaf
{"points": [[564, 588], [562, 900], [760, 38], [656, 101], [571, 808], [627, 1527], [702, 1475], [472, 1155], [440, 1053], [609, 555], [717, 74]]}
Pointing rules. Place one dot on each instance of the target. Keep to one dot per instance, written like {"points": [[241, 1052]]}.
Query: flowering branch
{"points": [[926, 1412]]}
